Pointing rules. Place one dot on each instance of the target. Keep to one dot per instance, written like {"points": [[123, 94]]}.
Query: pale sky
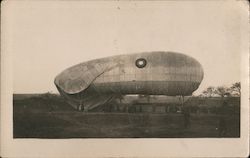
{"points": [[46, 37]]}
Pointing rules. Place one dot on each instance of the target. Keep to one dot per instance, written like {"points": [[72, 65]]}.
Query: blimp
{"points": [[93, 83]]}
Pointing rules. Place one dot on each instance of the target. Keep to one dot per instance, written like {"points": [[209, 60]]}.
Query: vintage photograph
{"points": [[124, 79], [142, 95], [126, 70]]}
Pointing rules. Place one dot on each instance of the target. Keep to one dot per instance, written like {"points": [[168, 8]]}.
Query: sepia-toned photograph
{"points": [[134, 70], [142, 95], [66, 87]]}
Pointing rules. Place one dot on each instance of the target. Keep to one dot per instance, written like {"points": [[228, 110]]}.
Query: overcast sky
{"points": [[47, 37]]}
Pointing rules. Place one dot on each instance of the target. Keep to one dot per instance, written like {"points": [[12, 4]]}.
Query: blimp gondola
{"points": [[93, 83]]}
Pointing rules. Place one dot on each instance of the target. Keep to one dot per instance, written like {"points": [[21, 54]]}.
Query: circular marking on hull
{"points": [[141, 62]]}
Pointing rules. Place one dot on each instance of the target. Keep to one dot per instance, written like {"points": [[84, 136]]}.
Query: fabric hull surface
{"points": [[96, 82]]}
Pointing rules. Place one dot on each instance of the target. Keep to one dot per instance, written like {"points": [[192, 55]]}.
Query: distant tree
{"points": [[209, 92], [222, 91], [235, 89]]}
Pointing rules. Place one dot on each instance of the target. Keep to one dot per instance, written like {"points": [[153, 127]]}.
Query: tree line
{"points": [[222, 91]]}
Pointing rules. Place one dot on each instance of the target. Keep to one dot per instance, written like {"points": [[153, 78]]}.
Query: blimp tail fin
{"points": [[79, 77]]}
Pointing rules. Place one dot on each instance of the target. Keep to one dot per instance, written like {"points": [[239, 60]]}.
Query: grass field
{"points": [[37, 118], [118, 125]]}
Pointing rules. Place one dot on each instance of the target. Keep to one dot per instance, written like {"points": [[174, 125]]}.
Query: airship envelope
{"points": [[93, 83]]}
